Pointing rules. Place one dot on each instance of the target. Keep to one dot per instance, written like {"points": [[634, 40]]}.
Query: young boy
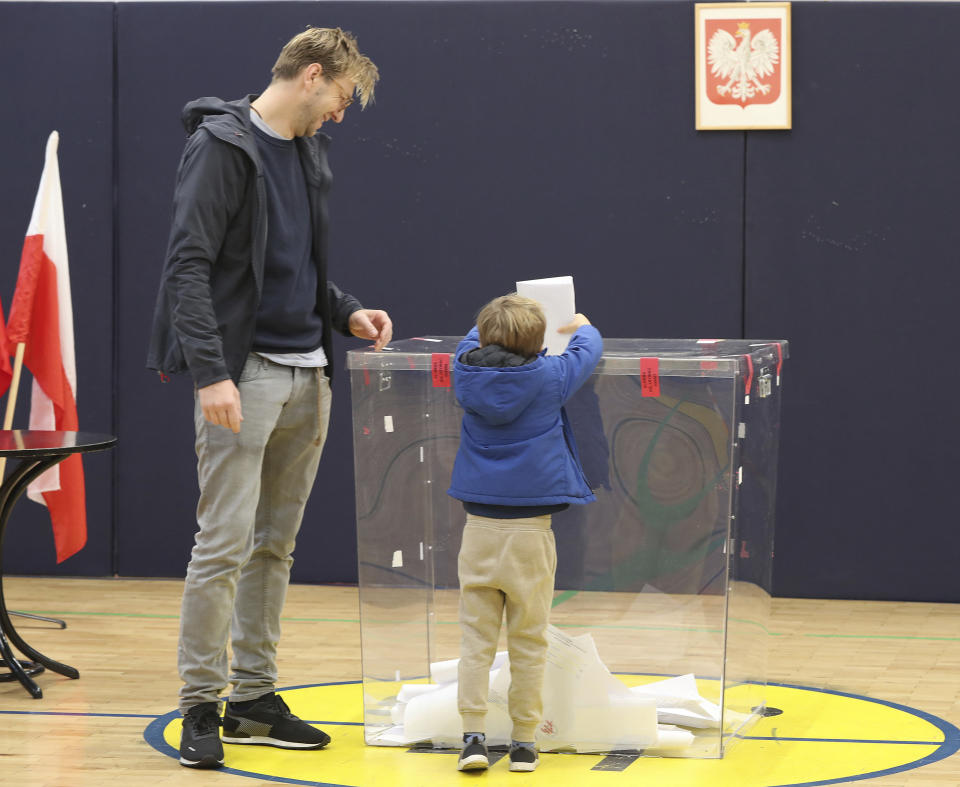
{"points": [[517, 464]]}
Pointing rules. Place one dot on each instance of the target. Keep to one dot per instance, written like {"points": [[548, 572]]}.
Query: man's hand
{"points": [[372, 324], [579, 320], [220, 403]]}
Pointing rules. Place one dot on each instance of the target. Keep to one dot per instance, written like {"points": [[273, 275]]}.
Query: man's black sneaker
{"points": [[267, 721], [474, 754], [523, 759], [200, 745]]}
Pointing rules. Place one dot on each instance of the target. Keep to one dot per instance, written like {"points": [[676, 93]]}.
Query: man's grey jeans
{"points": [[253, 489]]}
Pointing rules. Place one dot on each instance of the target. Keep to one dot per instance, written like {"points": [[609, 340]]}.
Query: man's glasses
{"points": [[345, 100]]}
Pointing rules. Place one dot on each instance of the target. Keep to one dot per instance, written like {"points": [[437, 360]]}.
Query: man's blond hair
{"points": [[514, 322], [336, 51]]}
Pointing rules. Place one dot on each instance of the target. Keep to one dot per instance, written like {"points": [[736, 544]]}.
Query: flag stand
{"points": [[7, 423]]}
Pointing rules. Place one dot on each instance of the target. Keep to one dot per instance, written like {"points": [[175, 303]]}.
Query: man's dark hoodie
{"points": [[212, 281]]}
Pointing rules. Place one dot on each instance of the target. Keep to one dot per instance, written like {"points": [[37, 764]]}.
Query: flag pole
{"points": [[14, 385], [12, 398]]}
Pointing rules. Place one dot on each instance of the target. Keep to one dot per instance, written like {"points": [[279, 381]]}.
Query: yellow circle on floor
{"points": [[821, 737]]}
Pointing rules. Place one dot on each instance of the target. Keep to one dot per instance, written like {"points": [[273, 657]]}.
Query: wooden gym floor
{"points": [[122, 636]]}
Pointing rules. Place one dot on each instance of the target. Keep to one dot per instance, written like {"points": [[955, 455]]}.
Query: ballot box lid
{"points": [[702, 357]]}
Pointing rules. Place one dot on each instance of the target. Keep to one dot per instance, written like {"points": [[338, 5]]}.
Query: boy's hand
{"points": [[579, 320]]}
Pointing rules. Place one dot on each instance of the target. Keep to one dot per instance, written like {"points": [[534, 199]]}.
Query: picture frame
{"points": [[743, 66]]}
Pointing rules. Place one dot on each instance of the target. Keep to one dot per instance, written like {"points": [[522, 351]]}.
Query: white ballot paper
{"points": [[557, 298], [585, 708]]}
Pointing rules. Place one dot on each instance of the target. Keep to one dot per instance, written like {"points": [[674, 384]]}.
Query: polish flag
{"points": [[41, 316]]}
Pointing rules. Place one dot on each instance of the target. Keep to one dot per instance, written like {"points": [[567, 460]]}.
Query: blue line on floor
{"points": [[65, 713], [833, 740], [138, 716]]}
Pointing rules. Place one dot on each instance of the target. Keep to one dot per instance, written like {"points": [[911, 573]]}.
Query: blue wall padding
{"points": [[518, 140], [57, 59], [507, 141], [852, 249]]}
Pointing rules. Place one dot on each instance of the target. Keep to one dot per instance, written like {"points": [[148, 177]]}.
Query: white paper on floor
{"points": [[679, 702], [585, 707]]}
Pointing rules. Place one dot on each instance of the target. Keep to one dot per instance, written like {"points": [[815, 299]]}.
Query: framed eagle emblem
{"points": [[743, 56]]}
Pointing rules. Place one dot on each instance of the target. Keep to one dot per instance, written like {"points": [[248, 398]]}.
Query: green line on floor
{"points": [[65, 614]]}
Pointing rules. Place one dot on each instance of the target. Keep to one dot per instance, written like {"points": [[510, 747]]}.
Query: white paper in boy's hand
{"points": [[559, 306]]}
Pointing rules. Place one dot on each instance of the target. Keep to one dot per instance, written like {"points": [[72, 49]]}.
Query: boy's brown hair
{"points": [[514, 322]]}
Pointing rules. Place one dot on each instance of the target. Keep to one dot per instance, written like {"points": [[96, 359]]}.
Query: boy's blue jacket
{"points": [[516, 445]]}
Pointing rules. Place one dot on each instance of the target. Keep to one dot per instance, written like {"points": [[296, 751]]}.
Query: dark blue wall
{"points": [[851, 251], [57, 60], [517, 140], [496, 151]]}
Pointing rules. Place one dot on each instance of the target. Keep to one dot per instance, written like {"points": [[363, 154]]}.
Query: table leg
{"points": [[11, 661], [13, 487], [62, 624]]}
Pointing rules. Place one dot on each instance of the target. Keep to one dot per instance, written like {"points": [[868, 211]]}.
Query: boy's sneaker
{"points": [[523, 759], [267, 721], [200, 745], [474, 754]]}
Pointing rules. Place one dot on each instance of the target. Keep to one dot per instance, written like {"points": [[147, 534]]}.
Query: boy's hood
{"points": [[499, 394]]}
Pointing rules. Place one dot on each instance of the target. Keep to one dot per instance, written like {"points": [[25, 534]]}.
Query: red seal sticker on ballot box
{"points": [[650, 376], [440, 366]]}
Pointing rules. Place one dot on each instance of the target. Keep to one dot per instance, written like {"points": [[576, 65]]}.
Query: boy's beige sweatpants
{"points": [[505, 565]]}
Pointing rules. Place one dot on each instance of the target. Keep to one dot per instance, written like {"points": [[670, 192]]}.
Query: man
{"points": [[245, 306]]}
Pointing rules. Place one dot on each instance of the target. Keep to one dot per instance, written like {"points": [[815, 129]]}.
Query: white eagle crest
{"points": [[743, 64]]}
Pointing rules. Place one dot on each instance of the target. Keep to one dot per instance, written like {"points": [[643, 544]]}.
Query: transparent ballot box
{"points": [[658, 637]]}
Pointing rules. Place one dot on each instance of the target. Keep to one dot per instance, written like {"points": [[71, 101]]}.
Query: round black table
{"points": [[37, 451]]}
